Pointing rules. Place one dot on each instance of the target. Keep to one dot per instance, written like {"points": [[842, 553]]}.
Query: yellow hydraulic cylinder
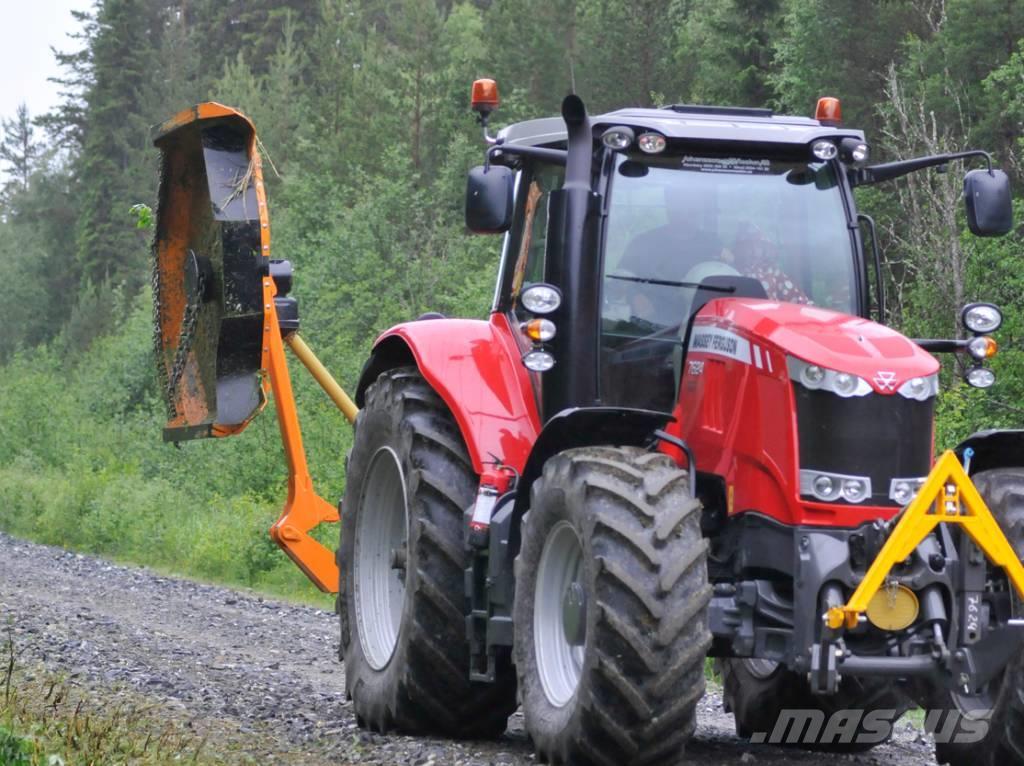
{"points": [[323, 377]]}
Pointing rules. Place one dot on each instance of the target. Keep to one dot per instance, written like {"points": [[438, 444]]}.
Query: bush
{"points": [[84, 467]]}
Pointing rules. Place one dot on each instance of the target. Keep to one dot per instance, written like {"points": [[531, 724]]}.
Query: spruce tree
{"points": [[18, 153]]}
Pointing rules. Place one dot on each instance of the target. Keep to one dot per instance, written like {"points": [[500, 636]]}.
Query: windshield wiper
{"points": [[671, 283]]}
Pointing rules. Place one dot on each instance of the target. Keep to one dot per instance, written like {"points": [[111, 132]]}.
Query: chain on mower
{"points": [[169, 379]]}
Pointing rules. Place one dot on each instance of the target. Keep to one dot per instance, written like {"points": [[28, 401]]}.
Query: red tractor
{"points": [[682, 433]]}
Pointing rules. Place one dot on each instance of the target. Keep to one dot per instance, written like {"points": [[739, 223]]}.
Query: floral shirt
{"points": [[777, 285]]}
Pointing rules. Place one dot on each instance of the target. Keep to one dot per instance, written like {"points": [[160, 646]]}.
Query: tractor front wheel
{"points": [[611, 609], [759, 693], [402, 559]]}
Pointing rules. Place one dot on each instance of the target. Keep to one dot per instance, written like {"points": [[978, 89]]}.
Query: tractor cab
{"points": [[686, 228], [674, 207], [687, 204]]}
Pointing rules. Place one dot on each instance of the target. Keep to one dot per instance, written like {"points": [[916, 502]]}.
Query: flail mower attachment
{"points": [[210, 252], [222, 315]]}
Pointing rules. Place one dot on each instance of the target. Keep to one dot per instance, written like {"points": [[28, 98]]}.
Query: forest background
{"points": [[362, 106]]}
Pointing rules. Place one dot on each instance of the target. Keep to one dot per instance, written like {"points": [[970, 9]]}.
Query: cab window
{"points": [[529, 261]]}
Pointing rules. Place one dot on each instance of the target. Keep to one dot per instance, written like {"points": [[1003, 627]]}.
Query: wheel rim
{"points": [[761, 668], [560, 608], [381, 544]]}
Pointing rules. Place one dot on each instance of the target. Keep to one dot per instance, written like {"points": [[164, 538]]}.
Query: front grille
{"points": [[883, 437]]}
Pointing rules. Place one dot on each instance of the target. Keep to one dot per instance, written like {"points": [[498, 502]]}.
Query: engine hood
{"points": [[879, 355]]}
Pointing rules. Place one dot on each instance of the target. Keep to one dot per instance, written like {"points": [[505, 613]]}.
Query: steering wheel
{"points": [[701, 271], [696, 274]]}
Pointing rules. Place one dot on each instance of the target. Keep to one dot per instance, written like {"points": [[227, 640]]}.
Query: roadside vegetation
{"points": [[84, 467], [48, 720], [362, 106], [47, 724]]}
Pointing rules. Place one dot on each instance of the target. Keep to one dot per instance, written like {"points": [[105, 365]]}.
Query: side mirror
{"points": [[489, 199], [989, 206]]}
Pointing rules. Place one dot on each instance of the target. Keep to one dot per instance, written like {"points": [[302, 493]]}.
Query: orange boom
{"points": [[222, 313]]}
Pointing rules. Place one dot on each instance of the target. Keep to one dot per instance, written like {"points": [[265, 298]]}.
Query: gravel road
{"points": [[264, 672]]}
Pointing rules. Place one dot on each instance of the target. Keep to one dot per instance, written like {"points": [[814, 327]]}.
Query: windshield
{"points": [[676, 220]]}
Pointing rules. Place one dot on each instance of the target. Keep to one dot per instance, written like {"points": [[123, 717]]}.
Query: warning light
{"points": [[485, 96], [829, 112], [539, 330], [982, 347]]}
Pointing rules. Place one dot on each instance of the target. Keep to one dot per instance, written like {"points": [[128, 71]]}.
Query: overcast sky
{"points": [[28, 28]]}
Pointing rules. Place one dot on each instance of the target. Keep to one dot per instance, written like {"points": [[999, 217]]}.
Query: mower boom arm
{"points": [[304, 509]]}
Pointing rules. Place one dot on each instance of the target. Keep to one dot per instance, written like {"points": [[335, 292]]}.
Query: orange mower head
{"points": [[211, 252]]}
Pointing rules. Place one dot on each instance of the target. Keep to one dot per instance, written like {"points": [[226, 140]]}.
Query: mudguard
{"points": [[475, 368], [994, 448], [586, 427]]}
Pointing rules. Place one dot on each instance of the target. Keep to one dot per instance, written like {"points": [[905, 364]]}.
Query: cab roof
{"points": [[697, 123]]}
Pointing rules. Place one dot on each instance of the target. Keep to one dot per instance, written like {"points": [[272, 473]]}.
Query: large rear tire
{"points": [[402, 559], [758, 691], [610, 609], [999, 712]]}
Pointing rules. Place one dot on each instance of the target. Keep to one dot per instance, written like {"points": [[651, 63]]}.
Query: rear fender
{"points": [[475, 367]]}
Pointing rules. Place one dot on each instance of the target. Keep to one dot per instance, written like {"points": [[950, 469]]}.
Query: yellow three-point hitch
{"points": [[947, 497]]}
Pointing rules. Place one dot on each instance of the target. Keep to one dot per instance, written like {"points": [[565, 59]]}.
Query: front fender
{"points": [[475, 367], [587, 427], [582, 427], [994, 448]]}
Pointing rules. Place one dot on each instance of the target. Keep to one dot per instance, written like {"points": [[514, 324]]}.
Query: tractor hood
{"points": [[881, 356]]}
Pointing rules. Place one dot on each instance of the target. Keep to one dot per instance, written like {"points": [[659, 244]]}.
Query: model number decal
{"points": [[712, 340], [973, 614]]}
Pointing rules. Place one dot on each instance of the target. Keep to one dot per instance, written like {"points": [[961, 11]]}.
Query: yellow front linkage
{"points": [[948, 496]]}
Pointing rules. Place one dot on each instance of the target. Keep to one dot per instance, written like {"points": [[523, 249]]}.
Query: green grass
{"points": [[46, 721], [56, 729], [14, 750]]}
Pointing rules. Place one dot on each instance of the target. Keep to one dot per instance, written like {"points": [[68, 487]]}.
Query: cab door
{"points": [[525, 251]]}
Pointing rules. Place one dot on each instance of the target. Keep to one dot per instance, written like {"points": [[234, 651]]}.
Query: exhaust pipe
{"points": [[572, 263]]}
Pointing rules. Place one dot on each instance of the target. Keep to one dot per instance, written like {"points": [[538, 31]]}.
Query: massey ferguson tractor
{"points": [[684, 432]]}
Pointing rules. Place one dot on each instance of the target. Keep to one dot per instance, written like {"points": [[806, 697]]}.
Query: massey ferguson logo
{"points": [[885, 380]]}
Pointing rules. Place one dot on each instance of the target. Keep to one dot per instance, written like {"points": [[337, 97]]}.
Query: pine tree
{"points": [[726, 47], [626, 53], [114, 167], [841, 48], [18, 151]]}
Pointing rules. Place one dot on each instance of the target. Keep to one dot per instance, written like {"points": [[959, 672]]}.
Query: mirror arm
{"points": [[553, 156], [887, 171]]}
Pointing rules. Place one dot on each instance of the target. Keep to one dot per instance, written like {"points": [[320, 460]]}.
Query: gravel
{"points": [[265, 672]]}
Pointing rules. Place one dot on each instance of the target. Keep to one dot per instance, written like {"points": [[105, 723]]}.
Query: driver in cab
{"points": [[681, 253]]}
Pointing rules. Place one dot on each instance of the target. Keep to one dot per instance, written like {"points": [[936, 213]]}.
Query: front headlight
{"points": [[829, 487], [902, 491], [815, 377], [981, 318], [921, 388]]}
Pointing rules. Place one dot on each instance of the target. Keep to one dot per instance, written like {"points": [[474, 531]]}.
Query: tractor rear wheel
{"points": [[990, 726], [402, 557], [757, 692], [610, 609]]}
